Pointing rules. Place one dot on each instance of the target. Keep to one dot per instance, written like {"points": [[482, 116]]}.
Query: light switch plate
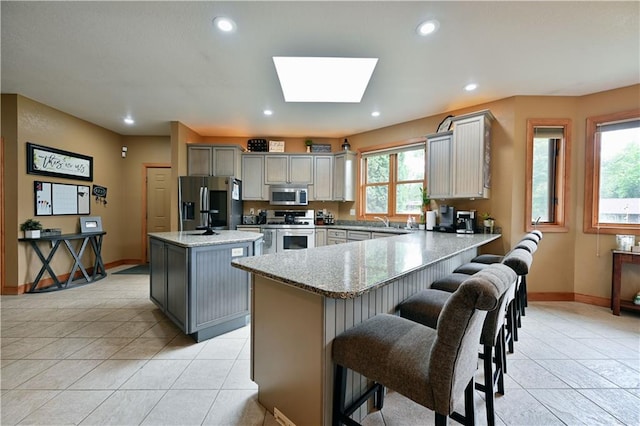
{"points": [[352, 212]]}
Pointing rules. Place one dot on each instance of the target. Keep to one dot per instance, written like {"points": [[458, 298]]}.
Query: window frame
{"points": [[393, 149], [591, 223], [560, 222]]}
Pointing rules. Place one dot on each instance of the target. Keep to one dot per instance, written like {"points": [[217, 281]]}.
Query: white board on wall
{"points": [[65, 199]]}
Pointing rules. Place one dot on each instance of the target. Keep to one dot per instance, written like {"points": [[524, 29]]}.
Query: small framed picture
{"points": [[276, 146], [90, 224], [445, 124]]}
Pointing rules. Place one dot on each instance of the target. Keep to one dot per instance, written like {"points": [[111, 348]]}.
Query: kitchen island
{"points": [[303, 299], [192, 281]]}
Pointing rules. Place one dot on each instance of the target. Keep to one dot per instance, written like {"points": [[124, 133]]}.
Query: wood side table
{"points": [[89, 239], [620, 257]]}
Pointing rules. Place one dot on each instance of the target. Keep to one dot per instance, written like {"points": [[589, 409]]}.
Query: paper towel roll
{"points": [[431, 220]]}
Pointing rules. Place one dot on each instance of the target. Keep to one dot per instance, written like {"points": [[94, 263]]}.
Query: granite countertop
{"points": [[196, 239], [349, 270], [383, 229], [372, 228]]}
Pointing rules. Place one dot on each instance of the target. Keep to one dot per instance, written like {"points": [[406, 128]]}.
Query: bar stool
{"points": [[425, 306], [434, 368]]}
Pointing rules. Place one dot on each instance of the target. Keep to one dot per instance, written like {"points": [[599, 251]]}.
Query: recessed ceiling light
{"points": [[375, 114], [267, 112], [428, 27], [128, 120], [470, 87], [224, 24], [305, 79]]}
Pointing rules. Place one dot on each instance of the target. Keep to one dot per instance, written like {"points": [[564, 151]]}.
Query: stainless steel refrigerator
{"points": [[208, 202]]}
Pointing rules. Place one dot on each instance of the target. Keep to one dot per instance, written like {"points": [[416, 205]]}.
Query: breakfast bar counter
{"points": [[302, 299]]}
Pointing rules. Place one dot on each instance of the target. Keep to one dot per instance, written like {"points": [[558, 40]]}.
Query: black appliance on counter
{"points": [[466, 222], [209, 203], [447, 219]]}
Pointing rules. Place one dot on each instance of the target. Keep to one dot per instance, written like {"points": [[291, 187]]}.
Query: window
{"points": [[547, 171], [391, 180], [612, 181]]}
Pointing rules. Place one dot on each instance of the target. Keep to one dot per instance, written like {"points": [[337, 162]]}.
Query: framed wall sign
{"points": [[42, 160]]}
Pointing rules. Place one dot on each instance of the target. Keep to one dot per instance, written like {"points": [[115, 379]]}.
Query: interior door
{"points": [[158, 202]]}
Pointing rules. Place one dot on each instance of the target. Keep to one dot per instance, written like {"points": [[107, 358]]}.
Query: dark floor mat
{"points": [[135, 270]]}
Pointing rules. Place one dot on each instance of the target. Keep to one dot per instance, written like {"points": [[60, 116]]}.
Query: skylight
{"points": [[305, 79]]}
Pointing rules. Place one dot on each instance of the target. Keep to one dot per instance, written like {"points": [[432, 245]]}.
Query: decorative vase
{"points": [[32, 233], [308, 148]]}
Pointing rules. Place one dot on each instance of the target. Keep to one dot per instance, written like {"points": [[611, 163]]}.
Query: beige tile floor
{"points": [[104, 354]]}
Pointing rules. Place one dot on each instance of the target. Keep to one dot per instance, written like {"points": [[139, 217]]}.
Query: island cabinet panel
{"points": [[197, 288], [177, 288], [158, 272], [224, 294]]}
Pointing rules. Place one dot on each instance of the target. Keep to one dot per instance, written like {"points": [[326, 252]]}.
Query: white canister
{"points": [[431, 220], [625, 242]]}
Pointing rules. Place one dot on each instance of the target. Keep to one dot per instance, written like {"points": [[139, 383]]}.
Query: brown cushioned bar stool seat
{"points": [[434, 368]]}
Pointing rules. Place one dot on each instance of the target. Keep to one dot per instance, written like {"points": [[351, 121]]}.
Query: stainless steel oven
{"points": [[295, 239], [289, 230]]}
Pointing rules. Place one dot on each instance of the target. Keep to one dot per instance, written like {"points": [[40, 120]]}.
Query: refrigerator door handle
{"points": [[203, 216]]}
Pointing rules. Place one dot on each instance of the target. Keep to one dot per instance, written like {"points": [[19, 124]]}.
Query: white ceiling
{"points": [[163, 61]]}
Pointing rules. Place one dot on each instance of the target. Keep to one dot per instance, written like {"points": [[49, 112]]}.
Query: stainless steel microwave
{"points": [[288, 195]]}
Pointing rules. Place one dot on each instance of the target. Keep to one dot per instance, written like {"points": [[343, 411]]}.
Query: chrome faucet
{"points": [[384, 220]]}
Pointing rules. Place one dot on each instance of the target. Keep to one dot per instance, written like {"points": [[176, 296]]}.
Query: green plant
{"points": [[425, 197], [308, 142], [30, 225], [486, 216]]}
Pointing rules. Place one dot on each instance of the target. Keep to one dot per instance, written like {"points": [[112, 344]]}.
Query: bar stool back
{"points": [[432, 367]]}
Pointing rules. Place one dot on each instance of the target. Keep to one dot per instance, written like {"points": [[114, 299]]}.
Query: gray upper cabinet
{"points": [[253, 187], [322, 178], [459, 161], [199, 160], [288, 168], [214, 160], [472, 155], [330, 177], [439, 165], [344, 176]]}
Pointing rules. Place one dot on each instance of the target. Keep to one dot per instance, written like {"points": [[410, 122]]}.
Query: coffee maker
{"points": [[465, 221], [447, 215]]}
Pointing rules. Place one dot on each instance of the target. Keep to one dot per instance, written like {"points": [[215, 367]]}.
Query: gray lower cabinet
{"points": [[197, 288]]}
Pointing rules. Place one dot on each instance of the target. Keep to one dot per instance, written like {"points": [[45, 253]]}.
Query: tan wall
{"points": [[9, 131], [566, 262], [571, 262], [46, 126], [593, 257], [24, 120], [142, 151]]}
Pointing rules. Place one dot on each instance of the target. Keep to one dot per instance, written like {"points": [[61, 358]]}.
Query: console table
{"points": [[620, 257], [93, 239]]}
